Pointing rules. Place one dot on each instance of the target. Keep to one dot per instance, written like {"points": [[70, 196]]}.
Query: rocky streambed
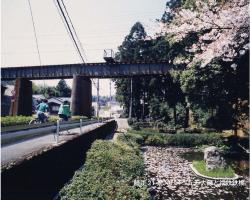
{"points": [[170, 177]]}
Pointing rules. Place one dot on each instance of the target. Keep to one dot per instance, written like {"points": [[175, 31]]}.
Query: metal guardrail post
{"points": [[80, 126], [57, 130]]}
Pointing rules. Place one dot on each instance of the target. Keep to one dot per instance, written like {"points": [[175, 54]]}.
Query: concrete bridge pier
{"points": [[81, 96], [22, 102]]}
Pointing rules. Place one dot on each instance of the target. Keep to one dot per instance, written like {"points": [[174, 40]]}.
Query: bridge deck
{"points": [[92, 70]]}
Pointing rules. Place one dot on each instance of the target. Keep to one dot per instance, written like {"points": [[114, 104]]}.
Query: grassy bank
{"points": [[109, 173], [200, 166], [150, 137]]}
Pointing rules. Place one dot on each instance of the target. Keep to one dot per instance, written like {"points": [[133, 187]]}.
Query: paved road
{"points": [[22, 150], [122, 127], [122, 124]]}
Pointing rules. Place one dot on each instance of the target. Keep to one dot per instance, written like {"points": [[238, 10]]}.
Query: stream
{"points": [[170, 176]]}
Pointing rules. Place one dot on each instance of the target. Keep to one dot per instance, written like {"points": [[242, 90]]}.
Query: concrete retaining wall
{"points": [[44, 175]]}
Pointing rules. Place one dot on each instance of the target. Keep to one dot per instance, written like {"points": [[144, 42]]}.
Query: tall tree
{"points": [[147, 91], [132, 50], [63, 89]]}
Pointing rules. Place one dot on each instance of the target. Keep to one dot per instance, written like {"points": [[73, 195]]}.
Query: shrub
{"points": [[131, 138], [180, 139], [53, 118], [192, 140], [130, 121], [15, 120], [24, 120], [109, 172], [192, 130], [137, 126], [145, 133], [200, 115], [156, 140]]}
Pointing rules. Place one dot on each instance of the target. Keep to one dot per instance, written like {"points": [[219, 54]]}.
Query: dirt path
{"points": [[122, 127]]}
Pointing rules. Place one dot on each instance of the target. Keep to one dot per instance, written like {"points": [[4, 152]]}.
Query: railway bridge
{"points": [[81, 96]]}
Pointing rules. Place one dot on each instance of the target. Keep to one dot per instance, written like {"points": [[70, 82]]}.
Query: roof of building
{"points": [[38, 96], [9, 89], [59, 100]]}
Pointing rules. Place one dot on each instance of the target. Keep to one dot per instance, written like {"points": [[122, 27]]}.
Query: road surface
{"points": [[122, 124], [24, 149]]}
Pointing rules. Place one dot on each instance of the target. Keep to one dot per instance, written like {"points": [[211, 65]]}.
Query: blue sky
{"points": [[100, 24]]}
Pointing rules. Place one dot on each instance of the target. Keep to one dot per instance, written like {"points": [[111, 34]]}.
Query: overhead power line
{"points": [[65, 25], [34, 28], [71, 34], [74, 30]]}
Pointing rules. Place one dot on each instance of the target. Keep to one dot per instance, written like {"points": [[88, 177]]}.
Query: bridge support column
{"points": [[81, 96], [22, 103]]}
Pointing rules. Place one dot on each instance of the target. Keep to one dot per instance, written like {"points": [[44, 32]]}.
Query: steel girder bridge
{"points": [[81, 96], [91, 70]]}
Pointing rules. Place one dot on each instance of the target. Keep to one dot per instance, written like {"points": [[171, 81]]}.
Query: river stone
{"points": [[213, 158]]}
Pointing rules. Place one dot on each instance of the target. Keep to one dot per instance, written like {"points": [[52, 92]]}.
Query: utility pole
{"points": [[131, 98], [97, 109]]}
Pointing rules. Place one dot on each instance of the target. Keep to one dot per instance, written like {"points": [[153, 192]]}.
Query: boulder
{"points": [[213, 158]]}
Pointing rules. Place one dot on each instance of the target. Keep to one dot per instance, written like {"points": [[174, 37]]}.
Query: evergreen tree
{"points": [[132, 50], [63, 89], [148, 90]]}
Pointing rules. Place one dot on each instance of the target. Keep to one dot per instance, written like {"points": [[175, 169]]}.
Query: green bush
{"points": [[192, 130], [15, 120], [136, 126], [53, 118], [109, 173], [155, 140], [24, 120], [192, 140], [180, 139], [130, 121], [131, 138]]}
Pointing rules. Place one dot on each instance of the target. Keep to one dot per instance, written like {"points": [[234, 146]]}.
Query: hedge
{"points": [[15, 120], [109, 173], [146, 137], [24, 120]]}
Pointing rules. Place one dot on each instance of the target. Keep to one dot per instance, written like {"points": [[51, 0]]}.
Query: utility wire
{"points": [[65, 25], [79, 50], [33, 23], [79, 42], [70, 31], [34, 28]]}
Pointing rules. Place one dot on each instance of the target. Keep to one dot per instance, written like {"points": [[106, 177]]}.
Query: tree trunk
{"points": [[186, 117], [175, 115], [131, 99]]}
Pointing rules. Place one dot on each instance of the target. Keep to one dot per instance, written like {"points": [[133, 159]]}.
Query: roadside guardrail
{"points": [[8, 137]]}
